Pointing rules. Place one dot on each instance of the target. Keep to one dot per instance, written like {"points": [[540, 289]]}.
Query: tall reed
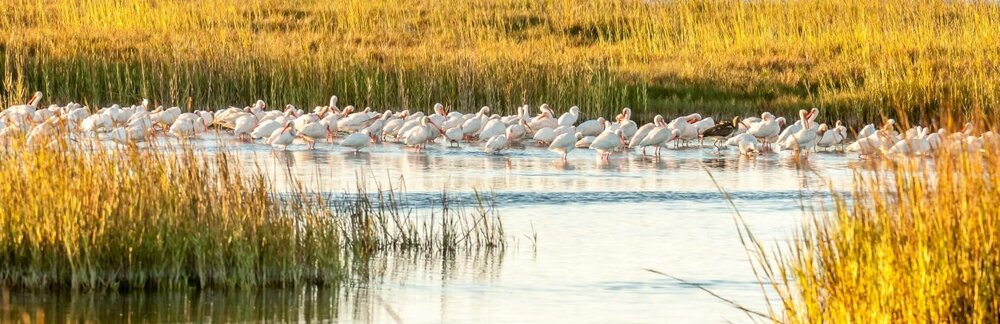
{"points": [[854, 58], [915, 243], [131, 218]]}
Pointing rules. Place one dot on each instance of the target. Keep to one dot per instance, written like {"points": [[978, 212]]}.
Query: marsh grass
{"points": [[132, 218], [914, 242], [855, 59]]}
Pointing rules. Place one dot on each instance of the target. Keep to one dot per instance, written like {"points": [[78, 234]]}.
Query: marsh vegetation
{"points": [[851, 58]]}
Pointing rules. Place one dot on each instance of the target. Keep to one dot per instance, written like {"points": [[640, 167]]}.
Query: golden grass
{"points": [[852, 58], [130, 218], [919, 242]]}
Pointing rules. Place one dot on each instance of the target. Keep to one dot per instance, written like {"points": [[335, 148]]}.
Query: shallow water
{"points": [[599, 226]]}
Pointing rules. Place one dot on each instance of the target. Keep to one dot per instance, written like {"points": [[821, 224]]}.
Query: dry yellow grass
{"points": [[853, 58], [919, 243], [133, 219]]}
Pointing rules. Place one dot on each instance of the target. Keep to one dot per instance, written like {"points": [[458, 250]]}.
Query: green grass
{"points": [[133, 219]]}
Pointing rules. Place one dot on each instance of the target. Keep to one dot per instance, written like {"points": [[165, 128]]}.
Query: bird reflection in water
{"points": [[563, 165]]}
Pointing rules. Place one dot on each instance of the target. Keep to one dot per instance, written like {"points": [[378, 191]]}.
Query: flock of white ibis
{"points": [[562, 134]]}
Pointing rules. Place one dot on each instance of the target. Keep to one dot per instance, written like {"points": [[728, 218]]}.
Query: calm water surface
{"points": [[599, 225]]}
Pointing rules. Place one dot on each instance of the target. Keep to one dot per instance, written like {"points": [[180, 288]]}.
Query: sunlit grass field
{"points": [[860, 59], [915, 243]]}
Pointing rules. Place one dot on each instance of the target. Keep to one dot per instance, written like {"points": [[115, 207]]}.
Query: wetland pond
{"points": [[582, 234]]}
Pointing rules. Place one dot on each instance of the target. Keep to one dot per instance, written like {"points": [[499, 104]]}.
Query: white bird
{"points": [[44, 132], [584, 141], [747, 143], [495, 144], [314, 131], [406, 128], [329, 108], [227, 118], [119, 135], [244, 126], [934, 139], [690, 132], [787, 132], [454, 135], [354, 121], [97, 123], [513, 119], [77, 115], [869, 146], [182, 128], [283, 136], [23, 116], [876, 143], [439, 116], [659, 136], [608, 142], [258, 109], [29, 107], [625, 123], [591, 127], [128, 134], [766, 128], [331, 121], [564, 143], [123, 115], [744, 124], [493, 127], [302, 121], [684, 127], [265, 129], [207, 117], [165, 117], [455, 119], [701, 126], [419, 136], [544, 136], [868, 130], [375, 128], [832, 136], [517, 131], [569, 118], [802, 140], [357, 141], [644, 131], [393, 126], [474, 124], [913, 145], [545, 118]]}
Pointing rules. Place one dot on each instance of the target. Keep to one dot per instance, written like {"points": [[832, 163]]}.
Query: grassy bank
{"points": [[139, 219], [853, 58], [918, 243]]}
